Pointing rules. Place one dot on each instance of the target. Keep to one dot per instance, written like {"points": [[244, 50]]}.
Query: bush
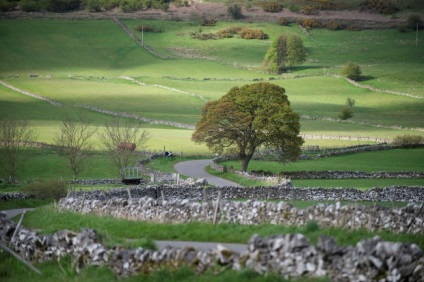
{"points": [[272, 7], [62, 5], [208, 21], [402, 28], [47, 189], [93, 5], [205, 36], [408, 141], [147, 28], [346, 113], [248, 33], [229, 31], [29, 6], [386, 7], [232, 29], [7, 5], [333, 26], [293, 8], [129, 7], [235, 12], [324, 4], [309, 10], [412, 22], [283, 21], [352, 71], [311, 23]]}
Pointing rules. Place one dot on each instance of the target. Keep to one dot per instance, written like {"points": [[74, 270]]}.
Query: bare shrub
{"points": [[310, 23], [386, 7], [333, 26], [272, 7], [208, 21], [408, 141], [283, 21], [47, 189], [249, 33]]}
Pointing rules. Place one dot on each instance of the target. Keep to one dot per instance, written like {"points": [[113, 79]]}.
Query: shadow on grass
{"points": [[301, 68], [366, 78]]}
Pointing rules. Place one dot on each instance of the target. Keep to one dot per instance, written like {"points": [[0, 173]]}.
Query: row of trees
{"points": [[74, 141]]}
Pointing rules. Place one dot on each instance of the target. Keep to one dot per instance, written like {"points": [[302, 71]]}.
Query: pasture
{"points": [[82, 63]]}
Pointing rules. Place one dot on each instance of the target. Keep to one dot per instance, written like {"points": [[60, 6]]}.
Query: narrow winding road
{"points": [[196, 169]]}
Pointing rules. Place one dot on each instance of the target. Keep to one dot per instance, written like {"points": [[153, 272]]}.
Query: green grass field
{"points": [[81, 62], [390, 160]]}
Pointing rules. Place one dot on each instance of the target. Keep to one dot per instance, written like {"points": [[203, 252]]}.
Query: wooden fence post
{"points": [[4, 247], [129, 193], [17, 228], [82, 204], [216, 207]]}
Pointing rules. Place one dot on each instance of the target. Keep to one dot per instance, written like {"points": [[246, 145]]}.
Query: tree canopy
{"points": [[250, 116], [352, 71], [284, 50]]}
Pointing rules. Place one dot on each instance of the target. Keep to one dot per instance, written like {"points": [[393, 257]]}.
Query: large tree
{"points": [[121, 138], [74, 141], [15, 136], [248, 117], [286, 49]]}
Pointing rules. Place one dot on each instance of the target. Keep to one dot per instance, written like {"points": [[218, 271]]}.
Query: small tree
{"points": [[115, 137], [347, 112], [74, 142], [14, 138], [275, 56], [235, 12], [296, 52], [352, 71], [286, 49], [414, 20], [248, 117]]}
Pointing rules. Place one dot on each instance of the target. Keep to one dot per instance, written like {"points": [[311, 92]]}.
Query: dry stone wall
{"points": [[284, 192], [352, 174], [408, 219], [290, 255]]}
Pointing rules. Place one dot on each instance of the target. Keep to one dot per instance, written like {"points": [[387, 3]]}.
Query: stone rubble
{"points": [[290, 255]]}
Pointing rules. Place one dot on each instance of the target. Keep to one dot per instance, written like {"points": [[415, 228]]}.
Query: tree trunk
{"points": [[245, 163]]}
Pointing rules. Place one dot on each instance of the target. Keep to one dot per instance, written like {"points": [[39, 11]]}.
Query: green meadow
{"points": [[84, 62], [88, 62]]}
